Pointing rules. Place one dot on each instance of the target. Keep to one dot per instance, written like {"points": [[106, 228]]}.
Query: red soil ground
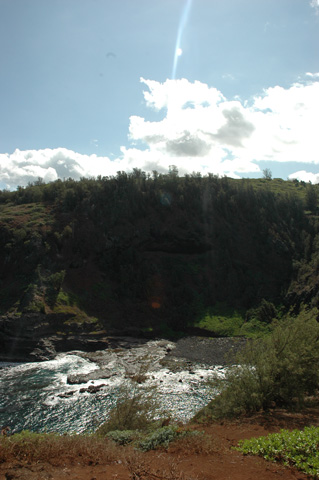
{"points": [[189, 460]]}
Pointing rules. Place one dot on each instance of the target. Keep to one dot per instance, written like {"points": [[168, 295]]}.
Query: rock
{"points": [[45, 350], [92, 388], [95, 388], [66, 394], [86, 377], [209, 351], [33, 337]]}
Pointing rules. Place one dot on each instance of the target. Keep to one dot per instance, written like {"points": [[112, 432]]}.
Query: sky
{"points": [[92, 87]]}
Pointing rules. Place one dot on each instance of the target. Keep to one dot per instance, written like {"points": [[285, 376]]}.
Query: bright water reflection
{"points": [[29, 394]]}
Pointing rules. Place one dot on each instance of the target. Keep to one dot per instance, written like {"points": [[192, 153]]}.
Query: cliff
{"points": [[154, 255]]}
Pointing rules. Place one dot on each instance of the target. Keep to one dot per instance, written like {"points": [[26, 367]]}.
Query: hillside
{"points": [[159, 255]]}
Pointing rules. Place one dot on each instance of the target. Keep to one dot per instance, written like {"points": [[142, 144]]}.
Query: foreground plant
{"points": [[49, 447], [279, 370], [299, 449], [134, 410]]}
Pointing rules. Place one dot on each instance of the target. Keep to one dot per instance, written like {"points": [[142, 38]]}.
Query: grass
{"points": [[26, 215], [299, 449], [226, 321], [69, 303], [78, 315], [222, 320], [47, 447]]}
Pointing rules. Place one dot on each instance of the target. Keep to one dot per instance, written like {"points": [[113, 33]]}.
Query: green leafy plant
{"points": [[299, 449], [161, 437], [122, 437], [222, 320], [279, 370]]}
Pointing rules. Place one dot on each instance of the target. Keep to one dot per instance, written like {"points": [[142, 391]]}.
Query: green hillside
{"points": [[161, 254]]}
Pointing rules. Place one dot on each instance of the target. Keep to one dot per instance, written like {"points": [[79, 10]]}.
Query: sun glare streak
{"points": [[181, 27]]}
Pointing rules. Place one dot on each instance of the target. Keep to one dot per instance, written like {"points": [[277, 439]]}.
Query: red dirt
{"points": [[215, 459]]}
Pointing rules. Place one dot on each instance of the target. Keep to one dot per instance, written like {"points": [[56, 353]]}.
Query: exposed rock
{"points": [[34, 337], [209, 351], [86, 377], [66, 394], [92, 388]]}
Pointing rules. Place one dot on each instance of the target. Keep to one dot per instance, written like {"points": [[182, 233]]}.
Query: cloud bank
{"points": [[315, 4], [201, 131]]}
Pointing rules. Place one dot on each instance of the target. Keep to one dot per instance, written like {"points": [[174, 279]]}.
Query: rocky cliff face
{"points": [[38, 337]]}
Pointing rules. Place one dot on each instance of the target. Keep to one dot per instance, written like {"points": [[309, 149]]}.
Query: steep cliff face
{"points": [[155, 253]]}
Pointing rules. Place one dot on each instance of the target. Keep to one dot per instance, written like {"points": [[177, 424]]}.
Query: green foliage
{"points": [[280, 369], [254, 328], [53, 285], [161, 437], [264, 313], [134, 410], [122, 437], [299, 449], [183, 243], [145, 440], [222, 320], [312, 197]]}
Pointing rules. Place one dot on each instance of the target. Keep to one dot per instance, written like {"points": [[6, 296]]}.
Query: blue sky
{"points": [[87, 87]]}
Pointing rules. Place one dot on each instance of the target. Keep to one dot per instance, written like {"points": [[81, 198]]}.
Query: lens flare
{"points": [[181, 28]]}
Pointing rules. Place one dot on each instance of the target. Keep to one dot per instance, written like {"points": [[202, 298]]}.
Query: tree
{"points": [[311, 198], [267, 175]]}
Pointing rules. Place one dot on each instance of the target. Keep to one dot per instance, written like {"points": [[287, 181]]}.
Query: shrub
{"points": [[160, 437], [134, 410], [278, 370], [122, 437], [264, 313], [296, 448]]}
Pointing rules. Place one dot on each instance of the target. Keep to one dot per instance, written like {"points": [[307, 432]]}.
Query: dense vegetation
{"points": [[297, 448], [161, 253], [278, 370]]}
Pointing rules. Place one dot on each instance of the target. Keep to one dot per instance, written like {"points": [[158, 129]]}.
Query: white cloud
{"points": [[312, 75], [22, 167], [315, 4], [202, 125], [304, 176], [174, 94], [201, 131]]}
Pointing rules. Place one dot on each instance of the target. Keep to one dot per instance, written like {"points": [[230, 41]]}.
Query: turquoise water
{"points": [[29, 394]]}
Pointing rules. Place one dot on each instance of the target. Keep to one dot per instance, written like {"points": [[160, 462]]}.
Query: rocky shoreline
{"points": [[37, 337], [184, 355], [209, 351], [34, 337]]}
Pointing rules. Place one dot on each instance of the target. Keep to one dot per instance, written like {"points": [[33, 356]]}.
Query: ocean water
{"points": [[29, 392]]}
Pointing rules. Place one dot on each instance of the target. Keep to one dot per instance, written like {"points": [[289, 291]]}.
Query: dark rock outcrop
{"points": [[40, 337]]}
